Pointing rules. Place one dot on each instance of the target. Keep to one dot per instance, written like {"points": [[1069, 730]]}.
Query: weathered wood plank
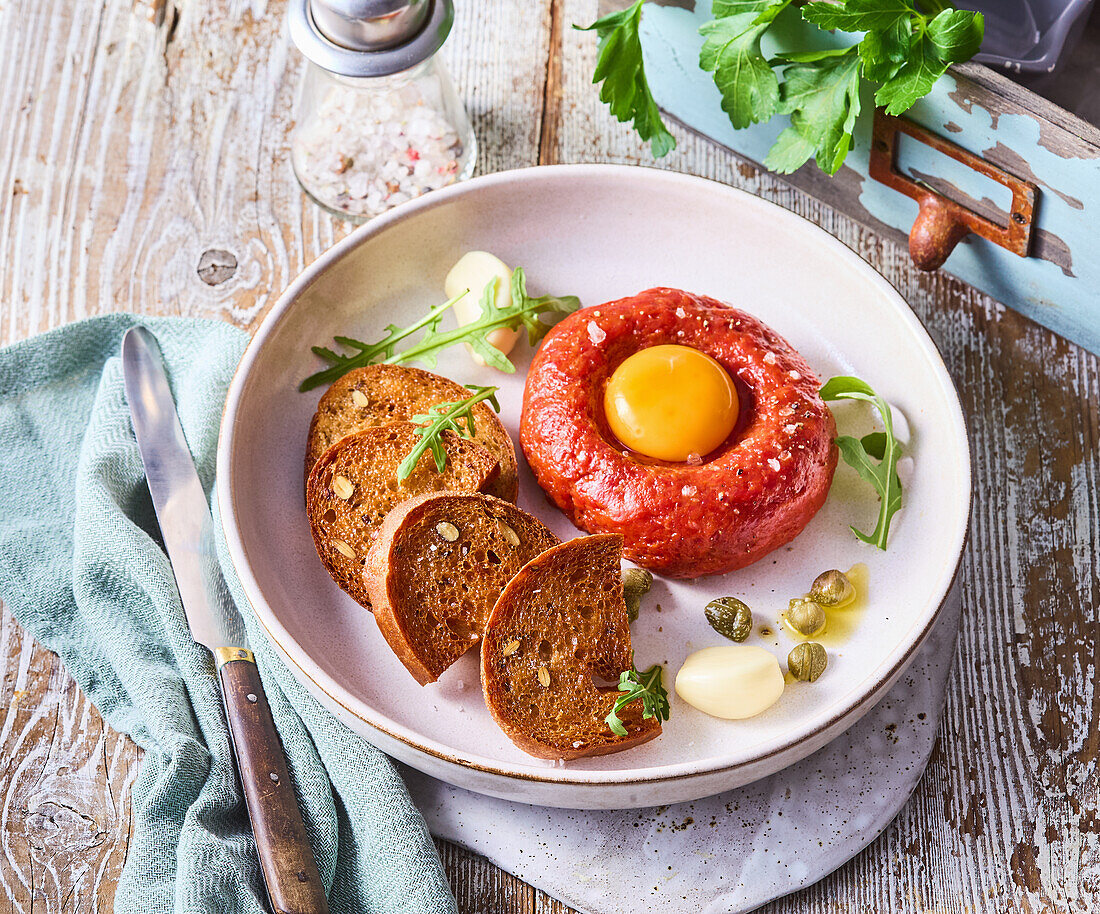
{"points": [[64, 786], [481, 887], [151, 147]]}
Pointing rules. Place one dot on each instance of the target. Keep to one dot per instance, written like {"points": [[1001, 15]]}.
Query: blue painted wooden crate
{"points": [[1056, 284]]}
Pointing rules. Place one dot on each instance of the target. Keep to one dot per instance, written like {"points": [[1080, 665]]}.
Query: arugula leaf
{"points": [[874, 443], [454, 416], [731, 51], [529, 308], [874, 457], [645, 686], [621, 69], [369, 353], [822, 98], [524, 311]]}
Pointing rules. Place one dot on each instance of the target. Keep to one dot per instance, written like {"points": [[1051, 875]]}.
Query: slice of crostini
{"points": [[354, 485], [435, 571], [380, 394], [559, 628]]}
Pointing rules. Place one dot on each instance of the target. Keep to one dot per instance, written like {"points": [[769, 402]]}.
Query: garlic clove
{"points": [[473, 272], [733, 681]]}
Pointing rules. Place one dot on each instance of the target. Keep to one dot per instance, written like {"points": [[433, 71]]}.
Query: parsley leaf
{"points": [[455, 416], [904, 48], [874, 457], [621, 70], [857, 15], [524, 311], [731, 51], [914, 79], [884, 52], [956, 34], [822, 98], [645, 686], [761, 9]]}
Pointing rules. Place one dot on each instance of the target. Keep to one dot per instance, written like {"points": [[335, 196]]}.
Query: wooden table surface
{"points": [[129, 148]]}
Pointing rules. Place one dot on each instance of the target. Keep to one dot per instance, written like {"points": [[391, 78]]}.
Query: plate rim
{"points": [[319, 679]]}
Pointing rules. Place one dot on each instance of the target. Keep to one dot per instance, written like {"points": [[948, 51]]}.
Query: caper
{"points": [[832, 588], [806, 617], [729, 617], [807, 661], [636, 583]]}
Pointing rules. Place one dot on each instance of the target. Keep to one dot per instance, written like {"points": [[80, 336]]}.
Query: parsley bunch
{"points": [[454, 416], [645, 686], [905, 48], [524, 311]]}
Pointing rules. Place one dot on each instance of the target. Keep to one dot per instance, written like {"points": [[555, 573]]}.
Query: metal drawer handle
{"points": [[942, 223]]}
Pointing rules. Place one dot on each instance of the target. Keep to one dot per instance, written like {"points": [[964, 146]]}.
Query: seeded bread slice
{"points": [[436, 569], [354, 485], [379, 394], [558, 629]]}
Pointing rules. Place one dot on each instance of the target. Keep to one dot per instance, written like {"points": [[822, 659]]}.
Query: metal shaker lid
{"points": [[369, 37]]}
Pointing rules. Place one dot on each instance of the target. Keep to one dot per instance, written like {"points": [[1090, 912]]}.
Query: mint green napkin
{"points": [[82, 570]]}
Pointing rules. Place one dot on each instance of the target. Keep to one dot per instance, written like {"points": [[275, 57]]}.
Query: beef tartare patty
{"points": [[716, 513]]}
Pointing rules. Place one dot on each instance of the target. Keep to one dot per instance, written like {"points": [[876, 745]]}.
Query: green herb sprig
{"points": [[620, 69], [905, 48], [384, 350], [874, 456], [646, 686], [454, 416], [524, 311]]}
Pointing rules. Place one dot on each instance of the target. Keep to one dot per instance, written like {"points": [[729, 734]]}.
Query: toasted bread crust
{"points": [[432, 595], [367, 461], [565, 609], [380, 394]]}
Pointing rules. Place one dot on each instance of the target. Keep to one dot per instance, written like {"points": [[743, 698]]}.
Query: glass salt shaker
{"points": [[378, 121]]}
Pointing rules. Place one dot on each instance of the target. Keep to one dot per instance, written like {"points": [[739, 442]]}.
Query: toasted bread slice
{"points": [[559, 627], [379, 394], [435, 571], [354, 485]]}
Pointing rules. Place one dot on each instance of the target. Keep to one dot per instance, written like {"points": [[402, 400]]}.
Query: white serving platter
{"points": [[602, 232]]}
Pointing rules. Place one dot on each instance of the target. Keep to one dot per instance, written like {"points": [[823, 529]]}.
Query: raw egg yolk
{"points": [[671, 403]]}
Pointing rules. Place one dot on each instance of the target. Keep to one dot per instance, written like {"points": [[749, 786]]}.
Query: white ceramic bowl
{"points": [[602, 232]]}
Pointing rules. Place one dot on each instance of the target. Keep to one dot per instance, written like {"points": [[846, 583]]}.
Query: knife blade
{"points": [[178, 496], [286, 858]]}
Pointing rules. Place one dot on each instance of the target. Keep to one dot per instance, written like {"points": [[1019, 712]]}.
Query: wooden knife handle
{"points": [[290, 871]]}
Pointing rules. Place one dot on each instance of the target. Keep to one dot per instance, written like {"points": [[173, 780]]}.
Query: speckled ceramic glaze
{"points": [[602, 232]]}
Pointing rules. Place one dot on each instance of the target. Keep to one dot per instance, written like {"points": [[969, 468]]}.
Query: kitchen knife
{"points": [[290, 872]]}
